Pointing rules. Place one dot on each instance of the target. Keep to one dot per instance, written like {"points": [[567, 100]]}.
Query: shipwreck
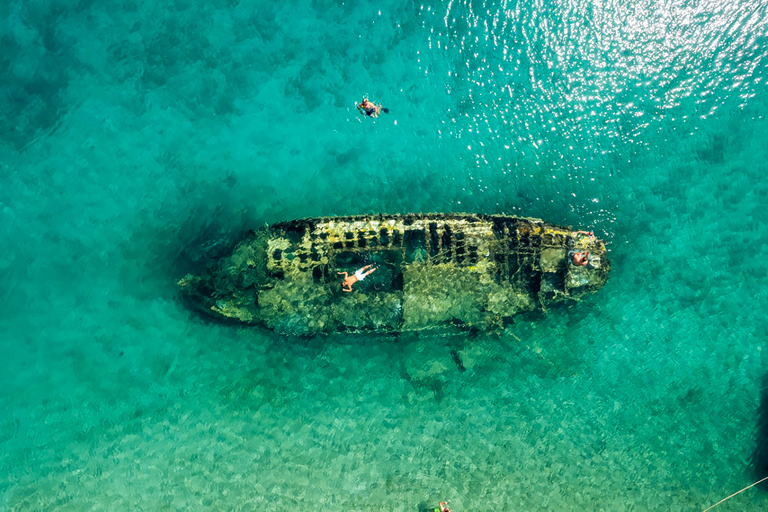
{"points": [[422, 271]]}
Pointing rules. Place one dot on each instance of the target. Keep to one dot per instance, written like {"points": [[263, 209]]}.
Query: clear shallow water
{"points": [[132, 131]]}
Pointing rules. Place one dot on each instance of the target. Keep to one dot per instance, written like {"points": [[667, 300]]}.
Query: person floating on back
{"points": [[369, 109], [359, 275]]}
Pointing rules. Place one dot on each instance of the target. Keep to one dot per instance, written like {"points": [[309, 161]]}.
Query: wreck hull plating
{"points": [[432, 270]]}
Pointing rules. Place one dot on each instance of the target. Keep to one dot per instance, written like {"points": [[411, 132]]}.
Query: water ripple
{"points": [[577, 88]]}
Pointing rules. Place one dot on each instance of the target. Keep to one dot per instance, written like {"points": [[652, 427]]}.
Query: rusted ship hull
{"points": [[432, 270]]}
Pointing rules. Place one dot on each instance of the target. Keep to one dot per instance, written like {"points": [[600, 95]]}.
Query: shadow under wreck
{"points": [[431, 270]]}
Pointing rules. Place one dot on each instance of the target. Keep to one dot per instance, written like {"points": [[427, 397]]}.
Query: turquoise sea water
{"points": [[134, 131]]}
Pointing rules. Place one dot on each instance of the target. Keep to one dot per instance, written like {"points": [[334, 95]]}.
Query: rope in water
{"points": [[734, 494]]}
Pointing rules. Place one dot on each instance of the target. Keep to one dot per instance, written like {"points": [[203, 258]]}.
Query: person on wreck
{"points": [[366, 107], [359, 275], [580, 258]]}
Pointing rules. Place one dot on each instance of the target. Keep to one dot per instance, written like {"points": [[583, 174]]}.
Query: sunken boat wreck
{"points": [[412, 272]]}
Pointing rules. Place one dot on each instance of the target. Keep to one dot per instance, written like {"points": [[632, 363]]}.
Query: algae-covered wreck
{"points": [[431, 270]]}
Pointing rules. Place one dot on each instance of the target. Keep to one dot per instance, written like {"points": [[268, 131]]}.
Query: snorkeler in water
{"points": [[366, 107]]}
